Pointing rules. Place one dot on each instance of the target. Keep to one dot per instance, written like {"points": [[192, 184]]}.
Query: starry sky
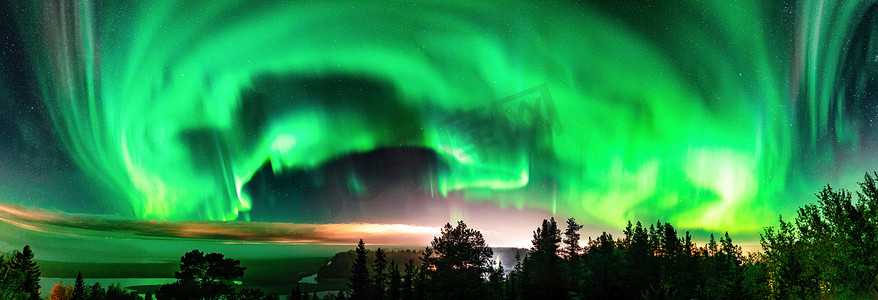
{"points": [[714, 116]]}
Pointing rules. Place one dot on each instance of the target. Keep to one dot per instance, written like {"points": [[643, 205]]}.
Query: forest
{"points": [[828, 250]]}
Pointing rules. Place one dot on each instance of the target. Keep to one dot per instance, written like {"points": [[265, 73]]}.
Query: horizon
{"points": [[245, 240]]}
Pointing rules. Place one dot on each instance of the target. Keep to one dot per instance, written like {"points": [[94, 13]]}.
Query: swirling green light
{"points": [[686, 117]]}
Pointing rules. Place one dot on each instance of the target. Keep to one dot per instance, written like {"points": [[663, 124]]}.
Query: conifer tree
{"points": [[96, 292], [24, 263], [542, 266], [496, 281], [359, 283], [573, 254], [712, 248], [79, 291], [572, 248], [380, 268], [461, 261], [424, 274], [395, 282], [408, 281]]}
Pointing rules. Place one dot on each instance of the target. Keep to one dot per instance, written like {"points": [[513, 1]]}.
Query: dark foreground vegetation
{"points": [[830, 250]]}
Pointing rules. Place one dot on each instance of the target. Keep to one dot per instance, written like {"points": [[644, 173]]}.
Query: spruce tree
{"points": [[687, 278], [638, 263], [496, 281], [514, 279], [712, 248], [360, 274], [573, 253], [422, 281], [79, 291], [408, 281], [380, 268], [603, 264], [24, 263], [629, 236], [395, 282]]}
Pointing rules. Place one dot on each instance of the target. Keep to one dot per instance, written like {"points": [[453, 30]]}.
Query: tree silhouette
{"points": [[408, 281], [496, 281], [460, 248], [79, 291], [462, 258], [96, 292], [202, 276], [668, 252], [380, 266], [359, 283], [638, 263], [542, 267], [248, 294], [573, 253], [829, 251], [395, 282], [755, 277], [296, 293], [572, 249], [684, 274], [424, 274], [603, 265], [23, 262], [514, 281]]}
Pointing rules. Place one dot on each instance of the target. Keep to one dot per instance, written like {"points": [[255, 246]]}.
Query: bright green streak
{"points": [[691, 123]]}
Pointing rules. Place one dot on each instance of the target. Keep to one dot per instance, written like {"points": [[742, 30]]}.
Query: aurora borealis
{"points": [[710, 115]]}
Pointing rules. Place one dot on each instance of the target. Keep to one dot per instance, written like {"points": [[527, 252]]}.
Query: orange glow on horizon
{"points": [[227, 232]]}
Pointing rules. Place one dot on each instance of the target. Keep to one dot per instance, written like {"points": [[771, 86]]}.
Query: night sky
{"points": [[714, 116]]}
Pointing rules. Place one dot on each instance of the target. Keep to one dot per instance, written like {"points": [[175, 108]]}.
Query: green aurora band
{"points": [[710, 115]]}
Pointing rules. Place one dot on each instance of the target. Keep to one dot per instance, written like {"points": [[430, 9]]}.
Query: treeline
{"points": [[80, 291], [20, 280], [648, 262], [339, 266], [830, 250]]}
